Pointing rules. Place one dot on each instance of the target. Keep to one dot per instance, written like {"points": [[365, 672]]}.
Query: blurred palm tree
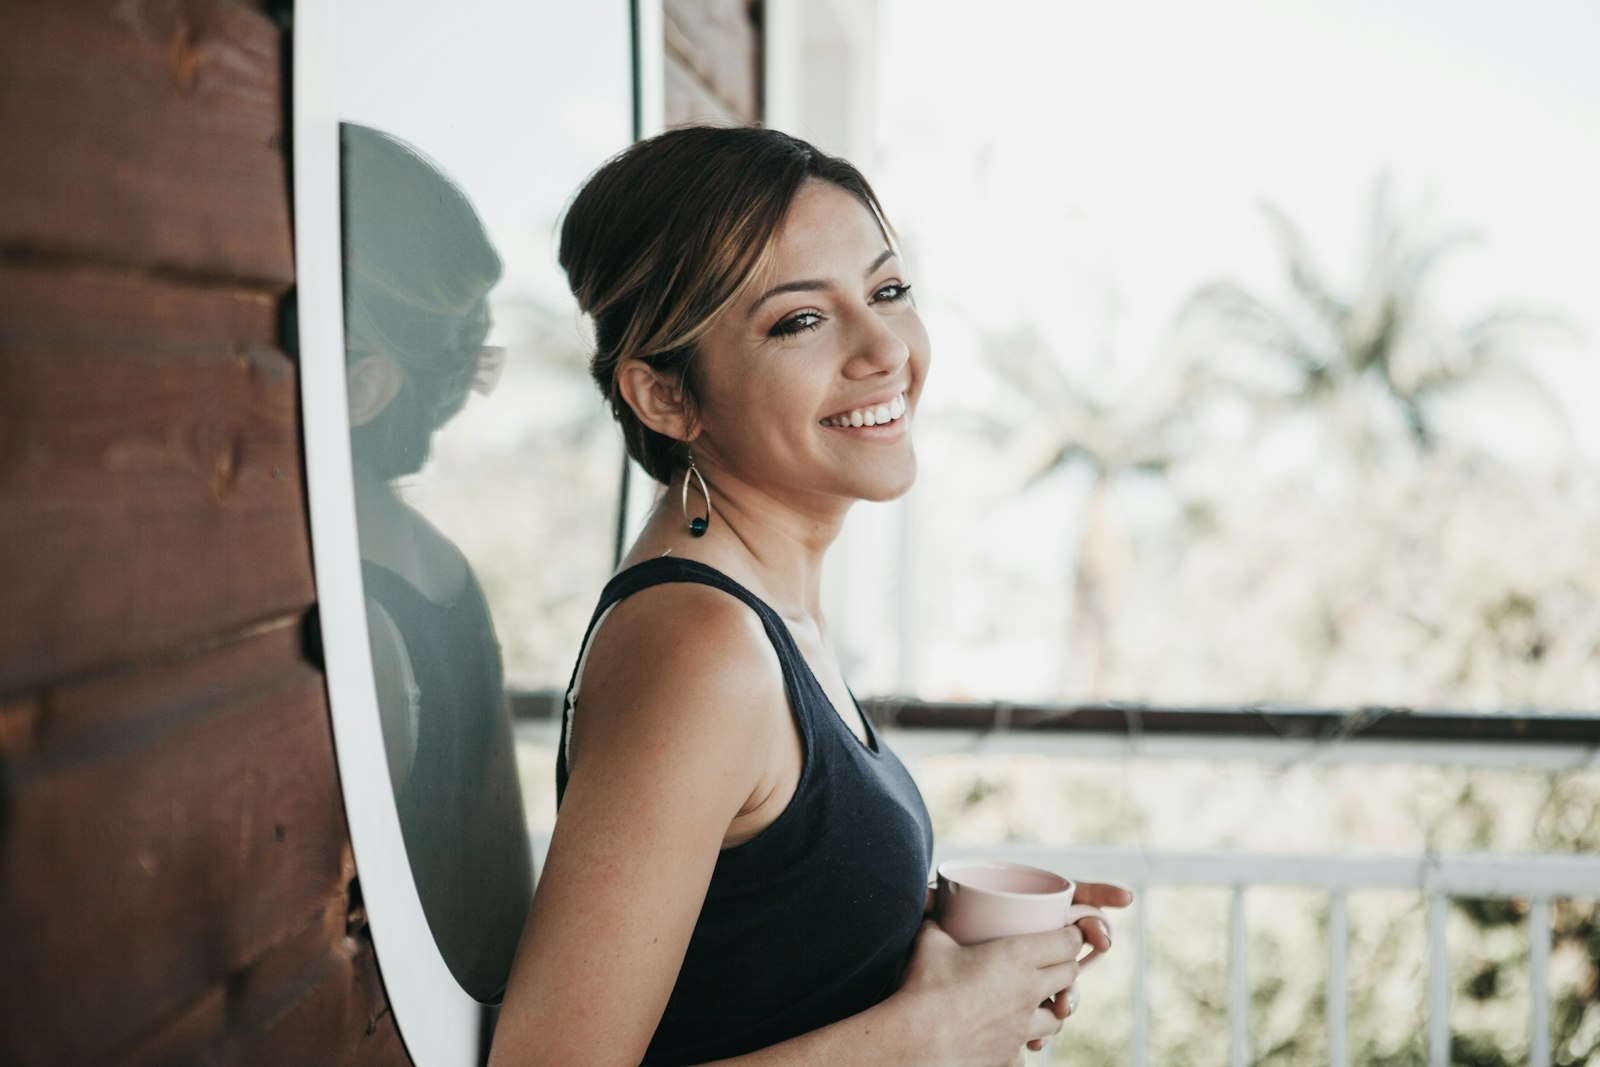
{"points": [[1071, 422], [1380, 348]]}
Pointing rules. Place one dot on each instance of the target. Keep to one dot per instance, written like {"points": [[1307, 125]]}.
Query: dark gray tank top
{"points": [[813, 919]]}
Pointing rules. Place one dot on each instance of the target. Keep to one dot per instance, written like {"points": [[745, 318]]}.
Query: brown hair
{"points": [[659, 241]]}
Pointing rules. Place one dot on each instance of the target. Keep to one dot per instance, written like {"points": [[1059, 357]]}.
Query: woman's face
{"points": [[823, 341]]}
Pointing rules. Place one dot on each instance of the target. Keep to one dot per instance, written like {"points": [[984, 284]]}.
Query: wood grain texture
{"points": [[150, 475], [146, 133], [718, 46], [165, 834], [315, 999], [342, 1021]]}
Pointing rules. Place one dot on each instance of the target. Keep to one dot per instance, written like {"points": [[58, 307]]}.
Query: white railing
{"points": [[1539, 879]]}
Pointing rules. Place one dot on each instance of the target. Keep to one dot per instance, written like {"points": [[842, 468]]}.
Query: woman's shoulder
{"points": [[679, 656], [679, 612]]}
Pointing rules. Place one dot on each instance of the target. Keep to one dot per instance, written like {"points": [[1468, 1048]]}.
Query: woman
{"points": [[738, 872]]}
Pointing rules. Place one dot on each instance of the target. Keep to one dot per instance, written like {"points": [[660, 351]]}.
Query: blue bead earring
{"points": [[699, 524]]}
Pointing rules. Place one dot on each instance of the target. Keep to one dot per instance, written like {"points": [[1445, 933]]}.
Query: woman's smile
{"points": [[871, 414]]}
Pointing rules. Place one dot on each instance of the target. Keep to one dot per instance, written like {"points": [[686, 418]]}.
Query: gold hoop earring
{"points": [[697, 525]]}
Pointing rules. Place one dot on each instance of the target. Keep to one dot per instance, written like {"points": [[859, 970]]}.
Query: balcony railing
{"points": [[1538, 879], [1558, 743]]}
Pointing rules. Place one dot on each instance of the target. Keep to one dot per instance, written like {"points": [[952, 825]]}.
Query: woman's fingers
{"points": [[1043, 1026], [1051, 947], [1094, 924], [1096, 932], [1103, 895]]}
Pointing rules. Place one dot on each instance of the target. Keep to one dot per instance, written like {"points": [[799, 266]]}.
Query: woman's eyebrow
{"points": [[812, 285]]}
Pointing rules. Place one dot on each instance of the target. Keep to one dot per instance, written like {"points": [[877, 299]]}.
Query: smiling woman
{"points": [[739, 868]]}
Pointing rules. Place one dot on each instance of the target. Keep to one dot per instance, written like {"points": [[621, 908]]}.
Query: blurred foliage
{"points": [[1380, 337], [1302, 495], [1566, 823]]}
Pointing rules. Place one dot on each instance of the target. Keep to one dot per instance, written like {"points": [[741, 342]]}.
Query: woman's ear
{"points": [[659, 400], [373, 382]]}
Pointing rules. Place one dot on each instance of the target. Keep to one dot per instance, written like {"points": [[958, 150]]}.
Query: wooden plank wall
{"points": [[176, 884]]}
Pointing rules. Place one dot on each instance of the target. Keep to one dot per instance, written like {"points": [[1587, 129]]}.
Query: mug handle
{"points": [[1087, 911]]}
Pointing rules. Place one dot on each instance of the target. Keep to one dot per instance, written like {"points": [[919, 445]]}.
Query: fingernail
{"points": [[1105, 931]]}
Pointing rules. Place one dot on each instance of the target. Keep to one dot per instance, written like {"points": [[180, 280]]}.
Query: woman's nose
{"points": [[877, 348]]}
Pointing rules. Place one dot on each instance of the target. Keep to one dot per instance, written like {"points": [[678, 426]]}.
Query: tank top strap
{"points": [[665, 570]]}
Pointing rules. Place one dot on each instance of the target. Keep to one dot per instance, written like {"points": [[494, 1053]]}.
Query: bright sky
{"points": [[1086, 165], [518, 100]]}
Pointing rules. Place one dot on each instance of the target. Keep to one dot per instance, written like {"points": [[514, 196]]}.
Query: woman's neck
{"points": [[773, 545]]}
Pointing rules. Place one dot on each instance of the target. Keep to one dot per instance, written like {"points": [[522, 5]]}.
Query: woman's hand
{"points": [[1100, 895], [1095, 933], [980, 1004]]}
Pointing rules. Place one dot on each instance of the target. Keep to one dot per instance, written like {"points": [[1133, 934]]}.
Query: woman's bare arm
{"points": [[669, 743]]}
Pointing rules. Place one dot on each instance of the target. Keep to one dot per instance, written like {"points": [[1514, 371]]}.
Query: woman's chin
{"points": [[890, 486]]}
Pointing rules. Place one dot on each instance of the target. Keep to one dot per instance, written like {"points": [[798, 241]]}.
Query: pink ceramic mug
{"points": [[980, 900]]}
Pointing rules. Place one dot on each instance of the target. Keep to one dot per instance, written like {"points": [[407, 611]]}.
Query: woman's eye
{"points": [[892, 291], [799, 322]]}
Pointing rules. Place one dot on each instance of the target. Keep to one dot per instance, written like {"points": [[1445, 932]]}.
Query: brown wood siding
{"points": [[147, 134], [176, 882], [151, 444]]}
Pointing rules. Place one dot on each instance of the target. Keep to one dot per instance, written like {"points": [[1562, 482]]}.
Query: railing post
{"points": [[1141, 976], [1238, 985], [1539, 981], [1338, 984], [1438, 982]]}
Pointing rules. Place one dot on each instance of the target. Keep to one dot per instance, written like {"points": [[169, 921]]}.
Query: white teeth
{"points": [[879, 415]]}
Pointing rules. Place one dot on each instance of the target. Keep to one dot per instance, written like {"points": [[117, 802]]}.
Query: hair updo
{"points": [[659, 241]]}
